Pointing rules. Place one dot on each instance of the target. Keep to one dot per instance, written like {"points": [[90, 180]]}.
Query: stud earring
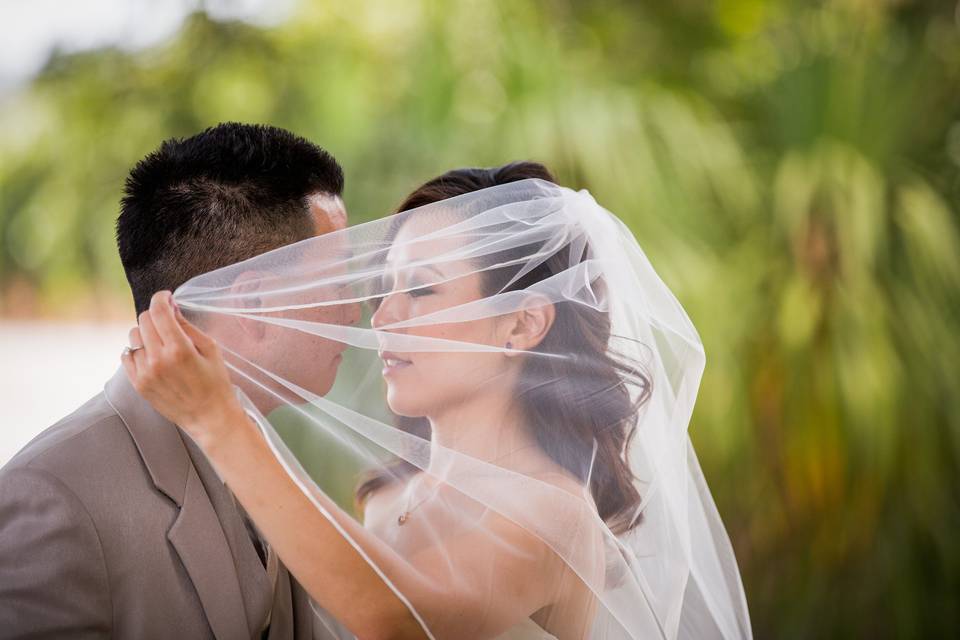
{"points": [[509, 345]]}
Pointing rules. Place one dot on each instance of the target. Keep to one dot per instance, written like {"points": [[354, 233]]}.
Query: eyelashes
{"points": [[415, 291], [420, 292]]}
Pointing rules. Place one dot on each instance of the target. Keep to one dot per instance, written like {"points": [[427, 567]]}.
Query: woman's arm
{"points": [[182, 373], [322, 560]]}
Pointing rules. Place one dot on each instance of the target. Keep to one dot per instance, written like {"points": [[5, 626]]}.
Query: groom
{"points": [[112, 523]]}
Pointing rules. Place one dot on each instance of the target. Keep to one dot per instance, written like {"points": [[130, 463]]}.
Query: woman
{"points": [[511, 505]]}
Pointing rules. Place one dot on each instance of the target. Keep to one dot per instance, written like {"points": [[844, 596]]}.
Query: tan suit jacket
{"points": [[113, 524]]}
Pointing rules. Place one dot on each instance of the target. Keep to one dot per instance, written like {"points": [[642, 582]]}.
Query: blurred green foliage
{"points": [[790, 167]]}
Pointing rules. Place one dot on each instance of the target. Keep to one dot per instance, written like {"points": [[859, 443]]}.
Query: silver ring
{"points": [[130, 350]]}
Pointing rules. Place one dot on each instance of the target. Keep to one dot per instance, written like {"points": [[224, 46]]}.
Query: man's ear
{"points": [[529, 325], [245, 287]]}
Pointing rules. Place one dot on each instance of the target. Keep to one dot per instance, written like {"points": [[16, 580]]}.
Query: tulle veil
{"points": [[557, 458]]}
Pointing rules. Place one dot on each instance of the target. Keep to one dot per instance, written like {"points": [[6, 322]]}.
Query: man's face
{"points": [[306, 360]]}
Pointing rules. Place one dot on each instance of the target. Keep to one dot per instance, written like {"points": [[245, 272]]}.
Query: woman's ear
{"points": [[530, 324], [245, 287]]}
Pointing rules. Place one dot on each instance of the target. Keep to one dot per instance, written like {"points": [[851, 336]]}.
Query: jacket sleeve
{"points": [[53, 579]]}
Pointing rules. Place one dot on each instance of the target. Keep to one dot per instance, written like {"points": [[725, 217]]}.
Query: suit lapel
{"points": [[255, 588], [281, 622], [197, 534], [202, 546], [156, 438]]}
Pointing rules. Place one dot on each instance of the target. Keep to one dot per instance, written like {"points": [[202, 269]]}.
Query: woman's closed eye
{"points": [[420, 292]]}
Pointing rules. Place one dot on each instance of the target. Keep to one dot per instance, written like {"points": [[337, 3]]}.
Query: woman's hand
{"points": [[181, 372]]}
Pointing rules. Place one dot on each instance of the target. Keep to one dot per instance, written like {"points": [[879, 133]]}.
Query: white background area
{"points": [[31, 30], [47, 370]]}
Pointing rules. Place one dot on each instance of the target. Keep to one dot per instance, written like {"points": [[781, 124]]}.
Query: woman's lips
{"points": [[393, 363]]}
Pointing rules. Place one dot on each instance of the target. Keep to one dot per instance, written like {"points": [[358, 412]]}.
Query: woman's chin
{"points": [[403, 405]]}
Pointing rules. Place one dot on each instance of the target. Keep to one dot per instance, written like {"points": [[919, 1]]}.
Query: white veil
{"points": [[552, 487]]}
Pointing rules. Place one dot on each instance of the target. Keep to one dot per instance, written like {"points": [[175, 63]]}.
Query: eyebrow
{"points": [[388, 264], [432, 268]]}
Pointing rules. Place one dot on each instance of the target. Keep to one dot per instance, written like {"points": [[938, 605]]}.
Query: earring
{"points": [[509, 345]]}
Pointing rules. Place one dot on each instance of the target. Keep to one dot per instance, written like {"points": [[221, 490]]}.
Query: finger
{"points": [[165, 321], [151, 340], [206, 345], [126, 359], [140, 360], [176, 310], [134, 339]]}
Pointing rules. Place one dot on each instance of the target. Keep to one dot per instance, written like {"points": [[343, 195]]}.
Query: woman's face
{"points": [[423, 383]]}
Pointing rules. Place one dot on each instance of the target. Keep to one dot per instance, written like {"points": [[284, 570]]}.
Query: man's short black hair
{"points": [[224, 195]]}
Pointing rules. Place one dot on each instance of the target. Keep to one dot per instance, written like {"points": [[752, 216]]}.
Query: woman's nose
{"points": [[385, 313]]}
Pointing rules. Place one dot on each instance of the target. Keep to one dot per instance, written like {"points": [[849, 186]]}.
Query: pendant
{"points": [[402, 518]]}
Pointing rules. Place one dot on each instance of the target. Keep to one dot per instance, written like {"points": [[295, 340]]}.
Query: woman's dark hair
{"points": [[589, 401]]}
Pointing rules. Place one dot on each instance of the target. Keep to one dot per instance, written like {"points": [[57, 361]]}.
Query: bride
{"points": [[535, 479]]}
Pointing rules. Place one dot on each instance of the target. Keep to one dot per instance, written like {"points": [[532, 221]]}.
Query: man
{"points": [[112, 523]]}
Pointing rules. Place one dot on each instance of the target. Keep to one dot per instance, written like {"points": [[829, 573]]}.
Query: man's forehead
{"points": [[328, 211]]}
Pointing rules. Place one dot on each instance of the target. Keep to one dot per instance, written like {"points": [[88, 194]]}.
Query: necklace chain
{"points": [[407, 510], [405, 514]]}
